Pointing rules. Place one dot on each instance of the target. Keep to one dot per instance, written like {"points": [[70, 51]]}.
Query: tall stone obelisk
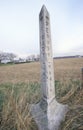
{"points": [[48, 113], [46, 58]]}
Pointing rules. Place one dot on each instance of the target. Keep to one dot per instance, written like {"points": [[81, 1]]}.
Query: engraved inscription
{"points": [[47, 22], [46, 57]]}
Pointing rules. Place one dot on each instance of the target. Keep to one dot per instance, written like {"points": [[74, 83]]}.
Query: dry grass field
{"points": [[20, 87], [30, 72]]}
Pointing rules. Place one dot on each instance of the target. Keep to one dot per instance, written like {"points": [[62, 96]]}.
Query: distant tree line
{"points": [[63, 57], [7, 56], [13, 58]]}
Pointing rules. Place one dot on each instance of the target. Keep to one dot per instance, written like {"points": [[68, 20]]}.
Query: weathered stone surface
{"points": [[48, 113], [49, 117], [47, 70]]}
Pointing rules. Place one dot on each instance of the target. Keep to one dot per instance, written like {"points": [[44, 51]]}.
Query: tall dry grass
{"points": [[15, 109], [71, 93]]}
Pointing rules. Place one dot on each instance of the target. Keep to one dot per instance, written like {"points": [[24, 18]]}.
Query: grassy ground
{"points": [[20, 87], [15, 100]]}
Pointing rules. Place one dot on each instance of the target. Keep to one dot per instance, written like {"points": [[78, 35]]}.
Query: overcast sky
{"points": [[19, 26]]}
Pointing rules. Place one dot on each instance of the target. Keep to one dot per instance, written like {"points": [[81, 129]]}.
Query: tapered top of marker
{"points": [[43, 10]]}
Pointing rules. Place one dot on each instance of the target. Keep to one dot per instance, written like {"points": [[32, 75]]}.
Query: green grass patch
{"points": [[7, 64]]}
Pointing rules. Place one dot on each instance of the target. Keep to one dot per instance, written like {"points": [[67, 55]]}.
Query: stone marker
{"points": [[48, 113]]}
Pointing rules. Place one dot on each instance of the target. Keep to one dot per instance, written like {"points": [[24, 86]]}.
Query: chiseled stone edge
{"points": [[49, 118]]}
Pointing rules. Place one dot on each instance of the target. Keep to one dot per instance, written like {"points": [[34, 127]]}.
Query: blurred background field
{"points": [[30, 72]]}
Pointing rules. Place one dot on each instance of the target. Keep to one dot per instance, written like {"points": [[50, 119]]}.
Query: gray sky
{"points": [[19, 26]]}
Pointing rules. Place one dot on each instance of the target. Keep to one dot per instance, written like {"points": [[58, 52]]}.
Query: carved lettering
{"points": [[47, 23], [47, 30]]}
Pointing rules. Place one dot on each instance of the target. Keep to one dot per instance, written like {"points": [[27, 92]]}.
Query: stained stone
{"points": [[48, 113]]}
